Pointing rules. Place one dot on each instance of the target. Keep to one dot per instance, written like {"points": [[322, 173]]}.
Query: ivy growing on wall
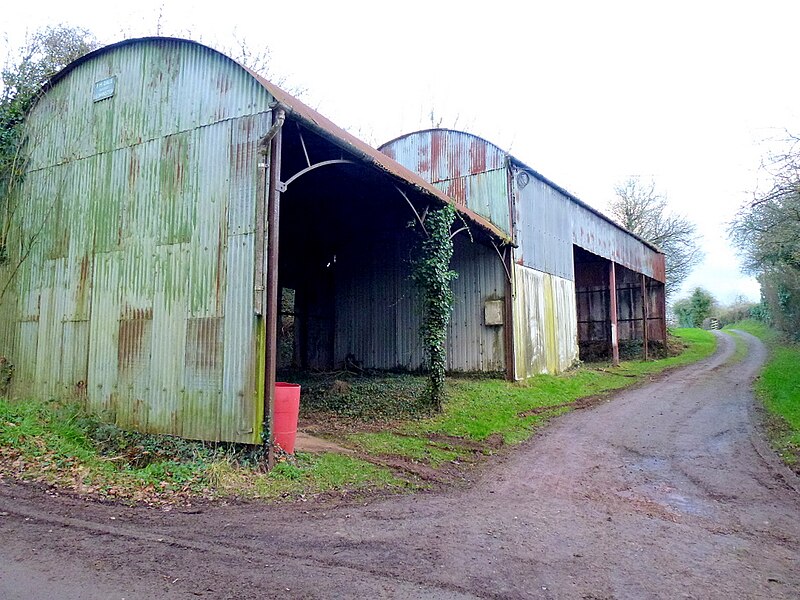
{"points": [[432, 275]]}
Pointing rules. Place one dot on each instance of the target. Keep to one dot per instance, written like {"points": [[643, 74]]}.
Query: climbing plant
{"points": [[433, 275]]}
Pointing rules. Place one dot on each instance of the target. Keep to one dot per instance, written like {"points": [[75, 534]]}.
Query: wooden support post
{"points": [[661, 295], [612, 289], [508, 319], [645, 315], [272, 300]]}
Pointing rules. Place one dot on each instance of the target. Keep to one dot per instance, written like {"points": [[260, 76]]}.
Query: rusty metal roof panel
{"points": [[240, 414], [467, 168], [454, 161], [518, 165], [444, 154]]}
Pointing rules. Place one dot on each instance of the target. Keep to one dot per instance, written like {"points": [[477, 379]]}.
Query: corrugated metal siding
{"points": [[381, 327], [163, 87], [465, 167], [545, 323], [377, 311], [439, 154], [544, 229], [548, 223], [485, 193], [472, 345], [143, 274]]}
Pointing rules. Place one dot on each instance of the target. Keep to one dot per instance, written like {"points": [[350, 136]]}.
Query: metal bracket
{"points": [[324, 163], [281, 187]]}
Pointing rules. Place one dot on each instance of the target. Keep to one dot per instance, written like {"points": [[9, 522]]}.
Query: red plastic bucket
{"points": [[287, 405]]}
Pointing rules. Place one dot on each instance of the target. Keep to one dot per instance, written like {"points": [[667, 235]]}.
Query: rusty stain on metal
{"points": [[131, 349]]}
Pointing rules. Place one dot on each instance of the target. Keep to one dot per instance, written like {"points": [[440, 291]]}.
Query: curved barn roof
{"points": [[315, 121], [463, 153]]}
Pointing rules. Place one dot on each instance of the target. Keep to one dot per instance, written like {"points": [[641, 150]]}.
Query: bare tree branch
{"points": [[640, 208]]}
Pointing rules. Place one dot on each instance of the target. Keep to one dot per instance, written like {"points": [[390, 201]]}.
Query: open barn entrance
{"points": [[634, 312], [346, 301]]}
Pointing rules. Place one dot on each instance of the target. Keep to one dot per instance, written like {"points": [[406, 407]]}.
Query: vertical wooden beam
{"points": [[645, 315], [661, 296], [612, 290], [508, 320], [272, 299]]}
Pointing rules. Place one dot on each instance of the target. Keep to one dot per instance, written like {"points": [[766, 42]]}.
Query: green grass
{"points": [[779, 388], [306, 475], [741, 347], [478, 409], [59, 444], [416, 448]]}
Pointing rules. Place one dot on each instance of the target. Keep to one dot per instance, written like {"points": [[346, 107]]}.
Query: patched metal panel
{"points": [[24, 360], [135, 275], [467, 168], [242, 155], [103, 336], [202, 384], [545, 324], [170, 307], [566, 325], [134, 361], [73, 371]]}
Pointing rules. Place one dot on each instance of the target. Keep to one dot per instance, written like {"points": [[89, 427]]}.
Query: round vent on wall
{"points": [[523, 179]]}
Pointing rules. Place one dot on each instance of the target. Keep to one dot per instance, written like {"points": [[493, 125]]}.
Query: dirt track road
{"points": [[665, 492]]}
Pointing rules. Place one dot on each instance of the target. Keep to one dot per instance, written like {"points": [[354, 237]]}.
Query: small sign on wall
{"points": [[493, 312], [104, 88]]}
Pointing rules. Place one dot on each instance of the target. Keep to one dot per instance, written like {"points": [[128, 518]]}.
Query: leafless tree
{"points": [[641, 209]]}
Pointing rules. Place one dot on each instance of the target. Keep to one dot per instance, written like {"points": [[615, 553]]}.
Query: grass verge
{"points": [[480, 409], [778, 387], [59, 444], [393, 443]]}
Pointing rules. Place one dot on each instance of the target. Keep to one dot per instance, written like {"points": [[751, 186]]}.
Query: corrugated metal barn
{"points": [[179, 212], [564, 258]]}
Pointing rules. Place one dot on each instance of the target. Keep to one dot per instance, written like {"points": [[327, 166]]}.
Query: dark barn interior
{"points": [[637, 303], [344, 256]]}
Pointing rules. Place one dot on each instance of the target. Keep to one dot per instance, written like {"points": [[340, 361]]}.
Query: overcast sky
{"points": [[690, 94]]}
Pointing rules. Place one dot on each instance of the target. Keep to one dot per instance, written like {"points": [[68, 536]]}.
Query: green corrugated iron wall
{"points": [[137, 227]]}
